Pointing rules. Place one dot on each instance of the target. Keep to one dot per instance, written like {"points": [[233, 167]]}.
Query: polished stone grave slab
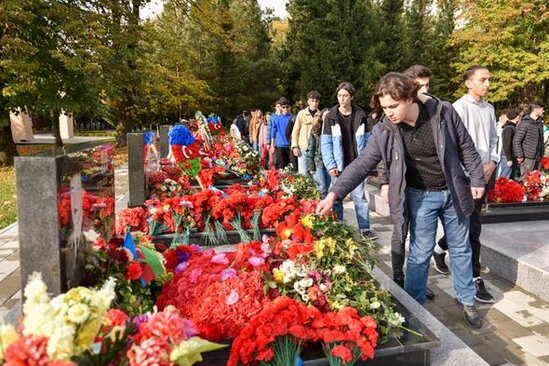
{"points": [[519, 252]]}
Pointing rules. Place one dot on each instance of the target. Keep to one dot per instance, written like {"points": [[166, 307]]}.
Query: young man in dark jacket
{"points": [[507, 163], [424, 145], [528, 140]]}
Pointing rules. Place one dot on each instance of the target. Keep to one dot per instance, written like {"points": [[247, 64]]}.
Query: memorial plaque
{"points": [[61, 195]]}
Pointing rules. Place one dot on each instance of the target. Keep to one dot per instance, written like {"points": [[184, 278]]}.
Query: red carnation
{"points": [[133, 271]]}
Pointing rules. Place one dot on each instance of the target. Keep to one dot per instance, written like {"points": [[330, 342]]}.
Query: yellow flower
{"points": [[331, 243], [319, 249], [308, 221], [287, 233], [278, 275]]}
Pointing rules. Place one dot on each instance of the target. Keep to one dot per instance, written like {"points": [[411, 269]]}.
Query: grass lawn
{"points": [[8, 208]]}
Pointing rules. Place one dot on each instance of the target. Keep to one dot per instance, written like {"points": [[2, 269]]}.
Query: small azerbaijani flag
{"points": [[151, 267]]}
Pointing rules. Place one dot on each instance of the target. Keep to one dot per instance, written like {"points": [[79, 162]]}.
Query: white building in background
{"points": [[21, 126]]}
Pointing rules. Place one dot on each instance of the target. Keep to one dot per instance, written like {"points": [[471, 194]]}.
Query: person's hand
{"points": [[488, 170], [385, 193], [312, 172], [477, 192], [297, 152], [520, 160], [509, 164], [333, 172], [326, 204], [272, 149]]}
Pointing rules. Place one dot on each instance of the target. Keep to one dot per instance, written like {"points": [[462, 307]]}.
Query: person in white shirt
{"points": [[479, 118]]}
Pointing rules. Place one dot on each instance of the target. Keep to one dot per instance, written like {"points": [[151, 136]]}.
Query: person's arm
{"points": [[468, 153], [310, 154], [507, 143], [518, 139], [327, 148], [494, 140], [295, 132]]}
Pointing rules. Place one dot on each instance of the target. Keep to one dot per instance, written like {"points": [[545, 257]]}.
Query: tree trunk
{"points": [[55, 128], [7, 147], [121, 131]]}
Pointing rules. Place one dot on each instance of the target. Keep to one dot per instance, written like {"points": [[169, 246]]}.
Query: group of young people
{"points": [[435, 161]]}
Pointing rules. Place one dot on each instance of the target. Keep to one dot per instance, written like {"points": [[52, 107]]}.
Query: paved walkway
{"points": [[516, 330]]}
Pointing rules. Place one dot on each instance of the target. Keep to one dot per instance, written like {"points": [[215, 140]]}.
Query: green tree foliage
{"points": [[329, 42], [47, 61], [443, 52], [511, 39]]}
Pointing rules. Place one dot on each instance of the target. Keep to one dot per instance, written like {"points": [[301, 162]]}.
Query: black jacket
{"points": [[528, 139], [455, 149], [507, 134]]}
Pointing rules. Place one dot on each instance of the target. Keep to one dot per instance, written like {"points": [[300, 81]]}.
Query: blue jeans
{"points": [[424, 210], [504, 170], [322, 179], [361, 207]]}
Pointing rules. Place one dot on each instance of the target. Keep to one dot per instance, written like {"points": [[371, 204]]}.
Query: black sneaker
{"points": [[369, 235], [440, 264], [470, 315], [429, 295], [482, 295], [399, 280]]}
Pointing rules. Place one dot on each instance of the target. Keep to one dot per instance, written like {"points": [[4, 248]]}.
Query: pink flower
{"points": [[195, 274], [220, 258], [232, 298], [29, 350], [228, 273], [151, 352], [256, 261]]}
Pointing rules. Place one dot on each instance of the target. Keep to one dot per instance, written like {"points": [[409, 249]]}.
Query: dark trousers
{"points": [[398, 251], [282, 157], [527, 166], [475, 227]]}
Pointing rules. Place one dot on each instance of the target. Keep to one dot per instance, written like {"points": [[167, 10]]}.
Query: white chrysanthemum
{"points": [[91, 236], [8, 335], [36, 290], [78, 313], [61, 343]]}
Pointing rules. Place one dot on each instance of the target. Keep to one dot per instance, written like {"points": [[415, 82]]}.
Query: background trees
{"points": [[99, 59]]}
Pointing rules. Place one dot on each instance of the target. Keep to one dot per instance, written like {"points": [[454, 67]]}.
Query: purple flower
{"points": [[141, 319], [256, 261], [190, 329], [220, 258], [232, 298], [182, 256], [228, 273], [195, 247], [181, 267]]}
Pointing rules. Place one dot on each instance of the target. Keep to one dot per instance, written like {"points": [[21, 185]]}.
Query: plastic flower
{"points": [[189, 352]]}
